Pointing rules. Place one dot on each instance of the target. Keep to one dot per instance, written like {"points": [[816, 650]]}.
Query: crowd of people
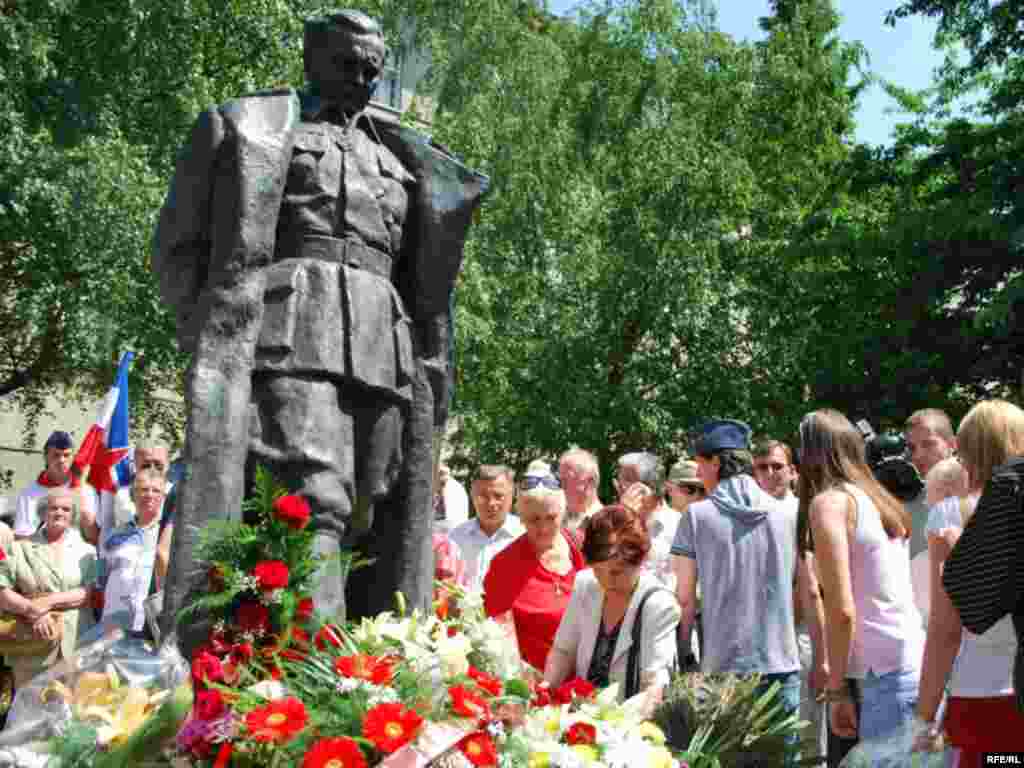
{"points": [[747, 559], [742, 558], [79, 564]]}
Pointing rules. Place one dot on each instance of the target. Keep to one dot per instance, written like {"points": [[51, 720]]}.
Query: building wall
{"points": [[27, 462]]}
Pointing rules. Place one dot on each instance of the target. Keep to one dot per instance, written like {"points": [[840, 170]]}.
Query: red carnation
{"points": [[541, 694], [391, 726], [491, 685], [271, 574], [3, 555], [293, 511], [278, 722], [208, 705], [304, 609], [467, 704], [342, 752], [479, 749], [581, 733], [576, 688], [206, 668], [253, 617]]}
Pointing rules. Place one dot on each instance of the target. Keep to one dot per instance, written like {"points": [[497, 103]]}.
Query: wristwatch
{"points": [[835, 695]]}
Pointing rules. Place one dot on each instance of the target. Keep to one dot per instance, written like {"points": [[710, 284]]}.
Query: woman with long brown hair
{"points": [[859, 533]]}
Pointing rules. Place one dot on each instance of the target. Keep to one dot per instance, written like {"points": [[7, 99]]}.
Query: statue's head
{"points": [[344, 54]]}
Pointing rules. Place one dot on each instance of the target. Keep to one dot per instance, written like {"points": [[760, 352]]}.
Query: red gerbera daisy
{"points": [[391, 726], [468, 704], [375, 669], [490, 684], [479, 749], [334, 753], [278, 722], [581, 733]]}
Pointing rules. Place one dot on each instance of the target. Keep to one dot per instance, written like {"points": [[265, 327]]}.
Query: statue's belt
{"points": [[350, 251]]}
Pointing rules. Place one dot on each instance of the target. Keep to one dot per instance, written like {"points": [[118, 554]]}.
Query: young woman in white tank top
{"points": [[859, 534]]}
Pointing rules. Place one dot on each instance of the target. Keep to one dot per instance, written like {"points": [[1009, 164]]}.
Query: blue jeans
{"points": [[887, 702], [788, 694]]}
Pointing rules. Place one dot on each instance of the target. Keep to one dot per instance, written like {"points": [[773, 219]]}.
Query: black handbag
{"points": [[633, 660]]}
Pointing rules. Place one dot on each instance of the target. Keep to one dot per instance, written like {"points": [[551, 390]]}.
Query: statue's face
{"points": [[346, 68]]}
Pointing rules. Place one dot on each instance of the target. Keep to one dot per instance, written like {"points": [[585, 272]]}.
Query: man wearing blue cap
{"points": [[740, 544], [57, 457]]}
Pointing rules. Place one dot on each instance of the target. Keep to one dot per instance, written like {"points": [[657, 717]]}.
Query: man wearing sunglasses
{"points": [[683, 486], [774, 471]]}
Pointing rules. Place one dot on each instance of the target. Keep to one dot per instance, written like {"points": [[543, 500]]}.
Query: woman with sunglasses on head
{"points": [[859, 533], [598, 634], [530, 580]]}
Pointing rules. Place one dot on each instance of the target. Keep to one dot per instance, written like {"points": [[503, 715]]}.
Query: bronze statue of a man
{"points": [[310, 252]]}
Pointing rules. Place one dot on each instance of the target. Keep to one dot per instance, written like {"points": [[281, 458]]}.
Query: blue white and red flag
{"points": [[105, 446]]}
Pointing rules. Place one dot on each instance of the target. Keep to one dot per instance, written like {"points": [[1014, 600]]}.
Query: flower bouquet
{"points": [[278, 685]]}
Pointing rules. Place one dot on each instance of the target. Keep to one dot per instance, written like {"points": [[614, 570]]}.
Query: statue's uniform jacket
{"points": [[283, 202]]}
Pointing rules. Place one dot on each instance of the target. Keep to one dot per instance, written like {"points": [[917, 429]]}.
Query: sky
{"points": [[902, 54]]}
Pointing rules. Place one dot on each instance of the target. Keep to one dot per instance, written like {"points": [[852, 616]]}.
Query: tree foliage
{"points": [[681, 225]]}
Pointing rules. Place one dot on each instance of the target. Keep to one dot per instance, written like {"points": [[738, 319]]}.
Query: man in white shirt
{"points": [[451, 502], [775, 473], [494, 528], [58, 453]]}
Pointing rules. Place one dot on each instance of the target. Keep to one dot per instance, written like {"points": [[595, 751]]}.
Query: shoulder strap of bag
{"points": [[633, 660]]}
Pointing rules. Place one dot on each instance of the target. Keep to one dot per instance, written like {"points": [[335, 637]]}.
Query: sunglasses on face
{"points": [[532, 481]]}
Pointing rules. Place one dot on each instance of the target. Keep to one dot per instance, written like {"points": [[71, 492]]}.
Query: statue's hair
{"points": [[346, 20]]}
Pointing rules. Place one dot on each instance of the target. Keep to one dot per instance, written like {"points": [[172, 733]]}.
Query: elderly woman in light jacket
{"points": [[595, 636]]}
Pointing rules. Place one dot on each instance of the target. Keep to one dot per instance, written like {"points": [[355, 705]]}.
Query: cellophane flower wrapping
{"points": [[96, 702]]}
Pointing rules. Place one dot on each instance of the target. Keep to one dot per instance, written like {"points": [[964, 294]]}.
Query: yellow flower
{"points": [[659, 757], [586, 752], [554, 724], [651, 732], [540, 759]]}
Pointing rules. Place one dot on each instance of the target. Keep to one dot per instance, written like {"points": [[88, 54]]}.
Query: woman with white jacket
{"points": [[598, 636]]}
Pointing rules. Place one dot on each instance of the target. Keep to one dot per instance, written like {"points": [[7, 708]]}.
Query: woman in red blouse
{"points": [[533, 577]]}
